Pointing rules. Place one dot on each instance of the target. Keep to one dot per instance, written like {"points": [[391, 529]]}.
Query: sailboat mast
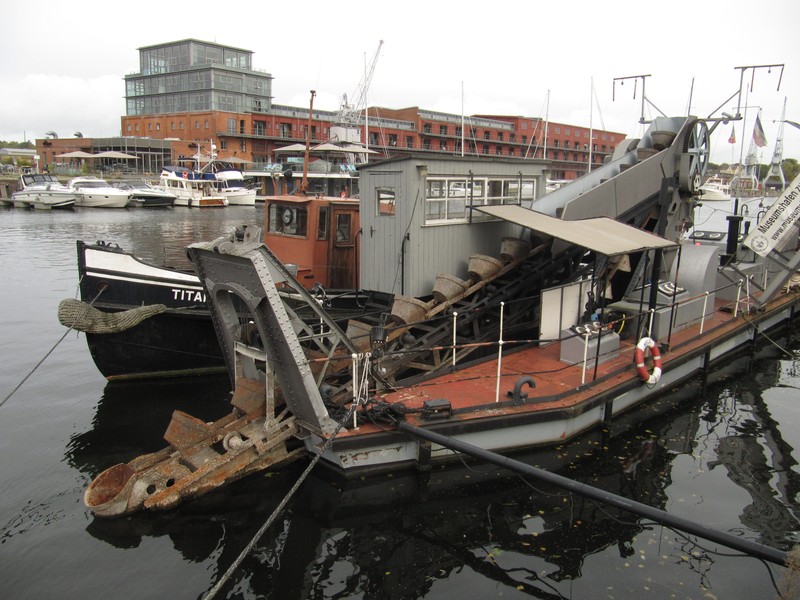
{"points": [[304, 183], [591, 131], [546, 118]]}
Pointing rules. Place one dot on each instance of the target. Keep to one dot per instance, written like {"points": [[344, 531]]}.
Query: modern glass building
{"points": [[195, 76]]}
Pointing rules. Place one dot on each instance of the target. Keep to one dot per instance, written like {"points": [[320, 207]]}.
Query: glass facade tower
{"points": [[195, 76]]}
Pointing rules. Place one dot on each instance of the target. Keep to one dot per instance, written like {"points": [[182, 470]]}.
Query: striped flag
{"points": [[758, 133]]}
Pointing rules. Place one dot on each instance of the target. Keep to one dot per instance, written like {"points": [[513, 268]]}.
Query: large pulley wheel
{"points": [[695, 156]]}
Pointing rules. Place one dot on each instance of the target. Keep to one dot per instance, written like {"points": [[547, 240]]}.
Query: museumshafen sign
{"points": [[777, 222]]}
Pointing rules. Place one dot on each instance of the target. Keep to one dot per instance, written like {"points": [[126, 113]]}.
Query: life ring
{"points": [[644, 374], [185, 175]]}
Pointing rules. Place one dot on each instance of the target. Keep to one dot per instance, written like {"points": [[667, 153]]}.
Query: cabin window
{"points": [[386, 201], [288, 219], [322, 223], [343, 229]]}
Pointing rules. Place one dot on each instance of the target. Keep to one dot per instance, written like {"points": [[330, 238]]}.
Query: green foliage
{"points": [[790, 169], [23, 145]]}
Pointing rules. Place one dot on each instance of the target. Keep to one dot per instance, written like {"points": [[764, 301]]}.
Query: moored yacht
{"points": [[92, 192], [42, 191], [189, 189]]}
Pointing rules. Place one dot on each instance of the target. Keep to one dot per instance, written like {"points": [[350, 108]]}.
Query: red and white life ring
{"points": [[644, 374]]}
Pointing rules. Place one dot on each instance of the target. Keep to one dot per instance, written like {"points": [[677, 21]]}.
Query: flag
{"points": [[732, 139], [758, 133]]}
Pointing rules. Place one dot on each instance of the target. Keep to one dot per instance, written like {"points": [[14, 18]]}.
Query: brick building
{"points": [[193, 94]]}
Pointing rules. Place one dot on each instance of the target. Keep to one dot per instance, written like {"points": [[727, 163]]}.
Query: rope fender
{"points": [[84, 317], [644, 344]]}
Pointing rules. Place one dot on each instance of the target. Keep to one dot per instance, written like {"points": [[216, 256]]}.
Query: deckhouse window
{"points": [[386, 201], [288, 219]]}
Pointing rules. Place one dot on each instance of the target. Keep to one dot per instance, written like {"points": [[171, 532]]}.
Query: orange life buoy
{"points": [[645, 375], [185, 175]]}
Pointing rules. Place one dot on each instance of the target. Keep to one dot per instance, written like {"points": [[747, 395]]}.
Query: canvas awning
{"points": [[600, 234], [76, 154], [358, 149], [115, 154], [292, 148]]}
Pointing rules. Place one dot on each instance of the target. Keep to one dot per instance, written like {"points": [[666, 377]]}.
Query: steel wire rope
{"points": [[49, 352], [278, 509]]}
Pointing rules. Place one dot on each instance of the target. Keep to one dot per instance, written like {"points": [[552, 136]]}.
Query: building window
{"points": [[426, 128], [524, 139], [206, 123], [458, 131], [555, 143], [442, 129], [197, 124], [500, 136], [393, 139], [486, 135], [243, 145], [180, 125], [158, 126], [511, 151], [129, 127], [409, 141], [486, 148], [223, 144], [498, 150], [172, 125], [259, 128], [442, 145], [512, 137]]}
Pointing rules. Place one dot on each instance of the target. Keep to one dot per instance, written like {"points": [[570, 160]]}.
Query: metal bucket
{"points": [[482, 267], [446, 287], [645, 153], [512, 249], [662, 139], [406, 309]]}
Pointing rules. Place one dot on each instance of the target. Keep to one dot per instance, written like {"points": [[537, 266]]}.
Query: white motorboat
{"points": [[42, 191], [190, 189], [231, 185], [147, 196], [715, 190], [93, 192]]}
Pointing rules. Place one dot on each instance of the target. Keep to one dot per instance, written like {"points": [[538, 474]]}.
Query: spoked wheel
{"points": [[694, 160]]}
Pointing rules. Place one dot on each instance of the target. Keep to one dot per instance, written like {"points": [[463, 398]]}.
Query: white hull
{"points": [[92, 192], [242, 197], [102, 200]]}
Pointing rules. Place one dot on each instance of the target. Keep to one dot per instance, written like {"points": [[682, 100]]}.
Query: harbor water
{"points": [[723, 452]]}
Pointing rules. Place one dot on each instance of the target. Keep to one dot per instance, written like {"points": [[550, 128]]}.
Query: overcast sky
{"points": [[63, 62]]}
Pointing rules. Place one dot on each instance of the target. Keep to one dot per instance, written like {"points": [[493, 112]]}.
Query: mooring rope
{"points": [[278, 509], [49, 352]]}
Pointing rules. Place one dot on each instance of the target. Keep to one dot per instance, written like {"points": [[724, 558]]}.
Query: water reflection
{"points": [[476, 527]]}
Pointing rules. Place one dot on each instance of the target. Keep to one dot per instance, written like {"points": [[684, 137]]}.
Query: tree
{"points": [[24, 145], [790, 168]]}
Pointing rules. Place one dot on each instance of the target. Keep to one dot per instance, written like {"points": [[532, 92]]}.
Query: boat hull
{"points": [[503, 427], [102, 200], [180, 341]]}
